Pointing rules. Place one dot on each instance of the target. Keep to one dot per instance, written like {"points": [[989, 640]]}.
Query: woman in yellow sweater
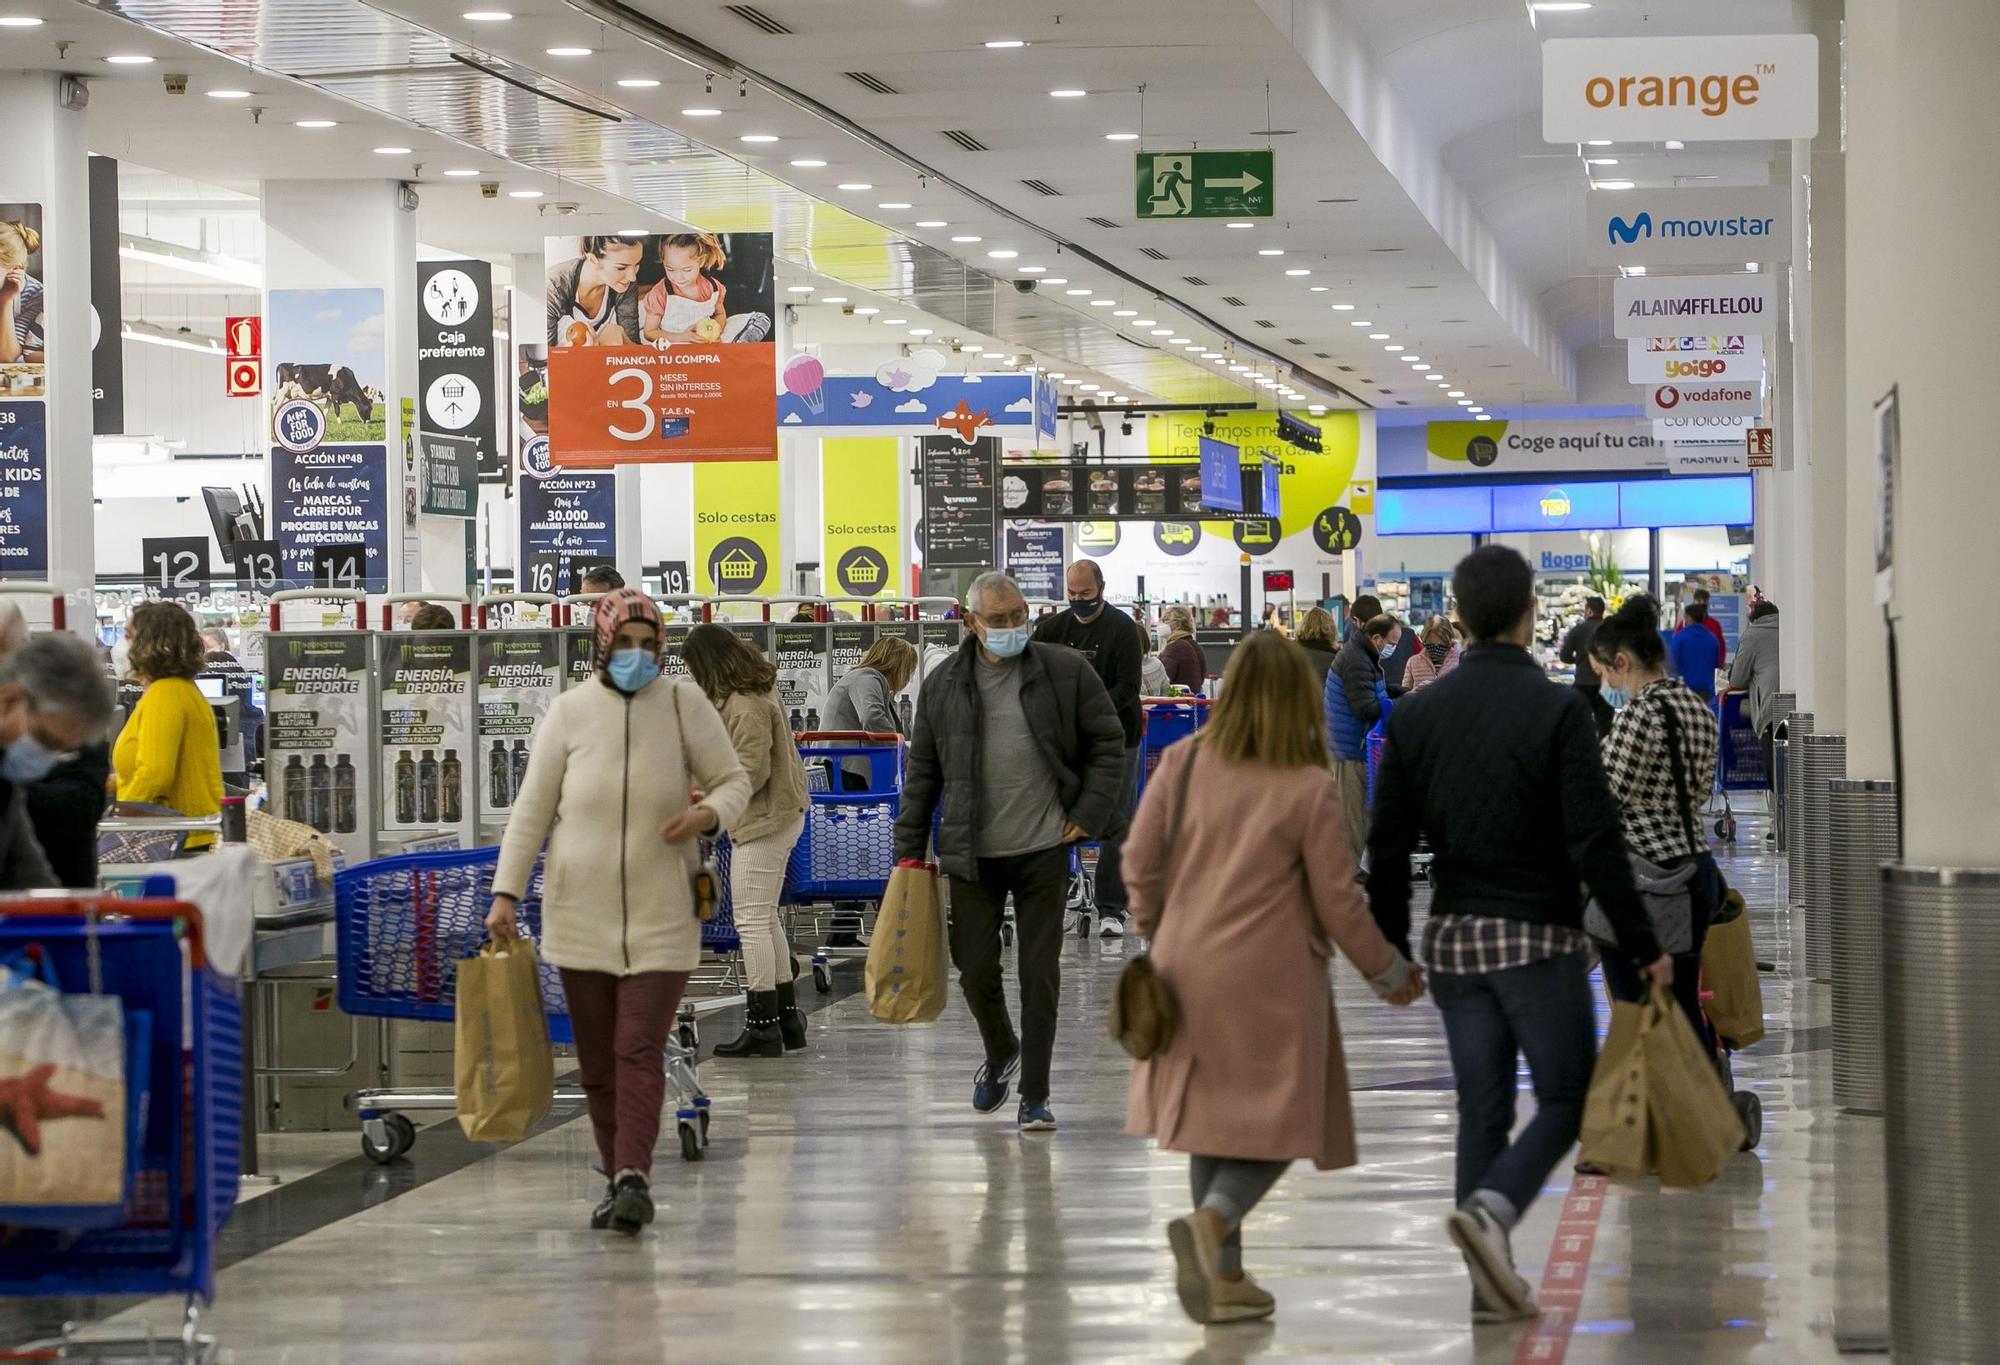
{"points": [[168, 753]]}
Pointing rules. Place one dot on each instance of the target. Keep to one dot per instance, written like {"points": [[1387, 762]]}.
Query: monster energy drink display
{"points": [[428, 730], [800, 655], [316, 735], [520, 672], [576, 658], [675, 665]]}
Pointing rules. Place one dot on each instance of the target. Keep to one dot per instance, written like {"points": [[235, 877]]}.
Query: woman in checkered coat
{"points": [[1660, 759]]}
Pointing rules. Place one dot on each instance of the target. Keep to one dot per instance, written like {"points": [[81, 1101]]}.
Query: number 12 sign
{"points": [[613, 405]]}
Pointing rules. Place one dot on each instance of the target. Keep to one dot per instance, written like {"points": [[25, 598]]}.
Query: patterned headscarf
{"points": [[612, 611]]}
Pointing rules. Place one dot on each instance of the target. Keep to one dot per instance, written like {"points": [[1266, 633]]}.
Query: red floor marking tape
{"points": [[1561, 1294]]}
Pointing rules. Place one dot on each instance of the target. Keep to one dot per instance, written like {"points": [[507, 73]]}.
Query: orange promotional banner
{"points": [[684, 405], [662, 349]]}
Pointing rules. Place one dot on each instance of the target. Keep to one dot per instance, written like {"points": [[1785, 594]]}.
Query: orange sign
{"points": [[686, 404]]}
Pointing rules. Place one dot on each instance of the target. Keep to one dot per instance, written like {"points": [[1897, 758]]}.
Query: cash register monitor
{"points": [[215, 689]]}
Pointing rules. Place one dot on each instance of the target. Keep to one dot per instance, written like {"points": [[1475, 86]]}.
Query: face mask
{"points": [[1006, 642], [1616, 697], [28, 760], [632, 669], [1086, 607]]}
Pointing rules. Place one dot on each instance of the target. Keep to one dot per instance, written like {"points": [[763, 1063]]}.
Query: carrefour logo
{"points": [[1620, 232]]}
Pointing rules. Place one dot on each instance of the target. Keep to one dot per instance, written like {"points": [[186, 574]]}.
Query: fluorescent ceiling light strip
{"points": [[203, 264], [213, 347]]}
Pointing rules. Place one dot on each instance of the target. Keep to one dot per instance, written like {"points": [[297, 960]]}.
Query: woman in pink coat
{"points": [[1238, 878], [1438, 656]]}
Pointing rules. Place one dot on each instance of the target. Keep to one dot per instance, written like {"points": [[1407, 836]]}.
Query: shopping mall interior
{"points": [[579, 317]]}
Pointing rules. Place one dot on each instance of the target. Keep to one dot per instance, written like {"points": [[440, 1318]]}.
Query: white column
{"points": [[45, 164]]}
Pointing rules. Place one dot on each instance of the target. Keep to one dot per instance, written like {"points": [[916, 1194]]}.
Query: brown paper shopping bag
{"points": [[1617, 1137], [506, 1070], [1729, 973], [909, 961], [1696, 1130]]}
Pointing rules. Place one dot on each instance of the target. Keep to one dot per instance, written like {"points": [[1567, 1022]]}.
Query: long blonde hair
{"points": [[894, 658], [1269, 711], [18, 242]]}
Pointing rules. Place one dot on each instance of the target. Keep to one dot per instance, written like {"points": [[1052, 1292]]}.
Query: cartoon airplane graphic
{"points": [[964, 421]]}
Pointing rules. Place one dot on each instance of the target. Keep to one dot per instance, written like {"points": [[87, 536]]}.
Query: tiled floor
{"points": [[855, 1208]]}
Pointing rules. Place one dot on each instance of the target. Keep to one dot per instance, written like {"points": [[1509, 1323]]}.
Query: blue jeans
{"points": [[1545, 1011]]}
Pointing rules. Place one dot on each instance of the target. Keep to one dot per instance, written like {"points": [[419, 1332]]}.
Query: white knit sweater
{"points": [[607, 772]]}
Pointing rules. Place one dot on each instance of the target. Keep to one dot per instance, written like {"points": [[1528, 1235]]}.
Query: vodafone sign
{"points": [[1728, 88], [1705, 400], [1653, 360]]}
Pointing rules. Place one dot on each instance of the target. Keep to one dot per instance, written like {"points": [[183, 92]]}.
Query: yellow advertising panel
{"points": [[736, 528], [1310, 486], [861, 499]]}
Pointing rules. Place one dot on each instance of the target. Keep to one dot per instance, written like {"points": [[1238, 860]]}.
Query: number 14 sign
{"points": [[679, 405]]}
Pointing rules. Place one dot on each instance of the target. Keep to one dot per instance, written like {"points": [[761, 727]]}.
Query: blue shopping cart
{"points": [[401, 927], [1739, 760], [184, 1165], [1166, 721], [847, 848]]}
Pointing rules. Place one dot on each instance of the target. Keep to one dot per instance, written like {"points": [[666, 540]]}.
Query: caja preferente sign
{"points": [[1725, 88]]}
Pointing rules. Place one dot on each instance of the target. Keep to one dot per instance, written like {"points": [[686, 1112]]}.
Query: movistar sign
{"points": [[1687, 227]]}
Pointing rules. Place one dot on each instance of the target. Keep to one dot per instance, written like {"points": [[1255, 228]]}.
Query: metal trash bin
{"points": [[1821, 759], [1861, 832], [1794, 729], [1941, 1094]]}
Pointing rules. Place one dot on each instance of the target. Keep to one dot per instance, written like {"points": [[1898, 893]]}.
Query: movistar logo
{"points": [[1620, 232], [1624, 233]]}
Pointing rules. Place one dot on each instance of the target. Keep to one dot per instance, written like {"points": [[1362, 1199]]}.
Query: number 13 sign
{"points": [[681, 405]]}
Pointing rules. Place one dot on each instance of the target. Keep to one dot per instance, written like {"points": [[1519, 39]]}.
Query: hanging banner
{"points": [[1035, 560], [1475, 449], [911, 391], [317, 733], [1727, 399], [449, 472], [107, 330], [662, 349], [1658, 360], [1724, 88], [329, 427], [520, 672], [960, 479], [1646, 306], [427, 730], [736, 528], [1658, 227], [861, 508], [455, 358], [568, 521], [24, 490]]}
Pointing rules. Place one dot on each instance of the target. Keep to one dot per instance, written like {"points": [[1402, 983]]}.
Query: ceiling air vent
{"points": [[964, 141], [1233, 301], [756, 18], [1295, 341], [1153, 253], [1266, 322], [1321, 355], [868, 82], [1196, 280], [1101, 222], [1042, 187]]}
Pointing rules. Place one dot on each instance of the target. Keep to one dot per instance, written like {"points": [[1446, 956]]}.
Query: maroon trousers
{"points": [[621, 1025]]}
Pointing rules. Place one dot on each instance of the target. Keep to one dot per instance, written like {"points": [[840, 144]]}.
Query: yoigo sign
{"points": [[1731, 88], [1705, 400], [1647, 307], [1655, 360], [1686, 227]]}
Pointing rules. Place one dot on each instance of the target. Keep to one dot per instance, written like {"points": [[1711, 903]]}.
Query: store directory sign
{"points": [[960, 482], [428, 732], [317, 735]]}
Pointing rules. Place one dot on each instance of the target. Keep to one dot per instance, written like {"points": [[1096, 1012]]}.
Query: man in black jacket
{"points": [[1110, 640], [1501, 770], [55, 704], [1576, 650], [1022, 746]]}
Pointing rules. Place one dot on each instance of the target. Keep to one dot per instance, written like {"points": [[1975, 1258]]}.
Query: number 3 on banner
{"points": [[641, 405]]}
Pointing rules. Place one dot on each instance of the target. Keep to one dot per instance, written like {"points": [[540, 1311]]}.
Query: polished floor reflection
{"points": [[855, 1208]]}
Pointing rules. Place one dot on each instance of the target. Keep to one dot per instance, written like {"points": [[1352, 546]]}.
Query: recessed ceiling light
{"points": [[129, 59], [1361, 322], [1270, 251], [893, 204], [229, 94], [932, 223], [1145, 322], [567, 51], [758, 137], [1176, 341], [1031, 270], [1076, 293], [998, 43], [895, 322], [702, 112], [1456, 393], [1239, 369], [1102, 303], [486, 16], [1416, 360], [1121, 137], [808, 164], [1162, 332], [832, 298], [920, 331], [798, 289], [632, 232], [856, 186], [1444, 383], [1243, 225], [1343, 308], [1002, 255], [638, 83], [392, 151], [866, 312], [1088, 388], [1055, 280], [1057, 374], [964, 239], [1298, 271], [524, 194], [1465, 402], [1604, 142], [1125, 313], [1392, 347], [973, 350], [1069, 94], [461, 171], [1321, 288], [19, 21], [1612, 184], [1600, 161], [1434, 376], [1378, 336], [321, 123], [1671, 144]]}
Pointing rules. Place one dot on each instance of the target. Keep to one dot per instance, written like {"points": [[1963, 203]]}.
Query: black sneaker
{"points": [[632, 1206], [600, 1217], [989, 1086]]}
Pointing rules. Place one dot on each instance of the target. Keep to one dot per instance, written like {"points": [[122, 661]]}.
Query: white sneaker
{"points": [[1112, 926], [1490, 1259]]}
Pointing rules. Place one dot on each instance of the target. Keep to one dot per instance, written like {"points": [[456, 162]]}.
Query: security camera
{"points": [[791, 316], [176, 83], [489, 189], [406, 197], [1024, 286]]}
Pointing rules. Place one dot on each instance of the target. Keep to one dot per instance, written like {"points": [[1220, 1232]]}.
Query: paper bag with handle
{"points": [[505, 1068], [908, 977]]}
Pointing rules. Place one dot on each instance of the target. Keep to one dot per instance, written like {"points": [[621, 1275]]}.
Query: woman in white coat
{"points": [[611, 790]]}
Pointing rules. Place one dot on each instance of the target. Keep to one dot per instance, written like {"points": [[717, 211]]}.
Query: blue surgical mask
{"points": [[631, 669], [1615, 697], [28, 760], [1006, 642]]}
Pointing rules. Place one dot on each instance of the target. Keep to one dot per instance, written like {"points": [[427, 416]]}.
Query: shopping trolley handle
{"points": [[54, 904], [1174, 701], [867, 736]]}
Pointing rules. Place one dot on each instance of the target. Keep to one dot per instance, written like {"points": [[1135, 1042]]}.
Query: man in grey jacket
{"points": [[1021, 745]]}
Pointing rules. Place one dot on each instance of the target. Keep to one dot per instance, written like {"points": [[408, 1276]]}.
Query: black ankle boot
{"points": [[791, 1019], [760, 1036]]}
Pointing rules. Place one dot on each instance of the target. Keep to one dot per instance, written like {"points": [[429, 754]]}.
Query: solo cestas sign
{"points": [[1656, 360], [1733, 88], [1642, 306], [1686, 227]]}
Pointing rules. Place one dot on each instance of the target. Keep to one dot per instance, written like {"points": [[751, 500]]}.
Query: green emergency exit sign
{"points": [[1207, 184]]}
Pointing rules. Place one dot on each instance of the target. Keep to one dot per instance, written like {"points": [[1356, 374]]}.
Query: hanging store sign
{"points": [[861, 509], [1642, 306], [1035, 560], [455, 359], [450, 473], [911, 392], [566, 520], [960, 484], [1659, 360], [1730, 399], [736, 528], [1476, 448], [1701, 428], [1724, 88], [1214, 184], [1132, 492], [1686, 227], [107, 331]]}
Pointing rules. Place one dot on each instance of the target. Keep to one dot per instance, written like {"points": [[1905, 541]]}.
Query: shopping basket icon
{"points": [[865, 572], [738, 566]]}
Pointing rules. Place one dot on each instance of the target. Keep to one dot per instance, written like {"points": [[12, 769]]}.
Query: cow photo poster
{"points": [[662, 348]]}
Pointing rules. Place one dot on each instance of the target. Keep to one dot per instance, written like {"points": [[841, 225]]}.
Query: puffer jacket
{"points": [[1755, 668], [1070, 718], [1356, 697]]}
